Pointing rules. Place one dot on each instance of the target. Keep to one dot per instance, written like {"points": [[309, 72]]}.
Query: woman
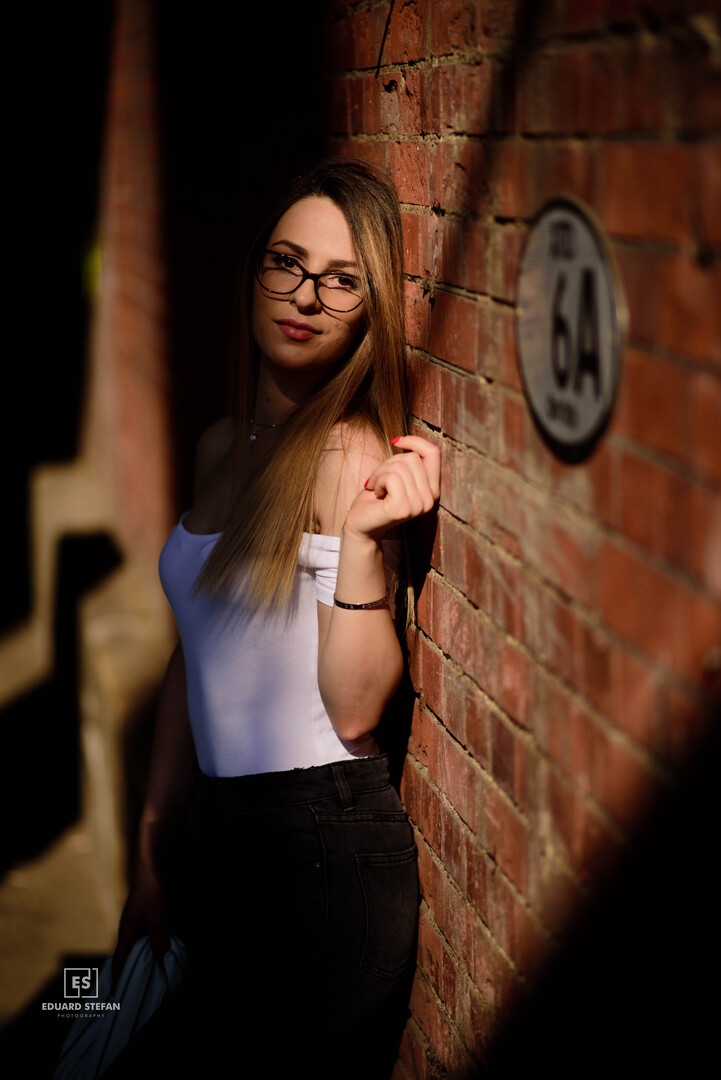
{"points": [[301, 899]]}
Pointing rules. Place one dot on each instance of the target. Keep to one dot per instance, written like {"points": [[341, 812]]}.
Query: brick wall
{"points": [[127, 428], [569, 631]]}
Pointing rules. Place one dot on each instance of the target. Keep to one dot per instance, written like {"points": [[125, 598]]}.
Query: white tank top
{"points": [[252, 678]]}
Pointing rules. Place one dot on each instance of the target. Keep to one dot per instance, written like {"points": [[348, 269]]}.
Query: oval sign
{"points": [[568, 328]]}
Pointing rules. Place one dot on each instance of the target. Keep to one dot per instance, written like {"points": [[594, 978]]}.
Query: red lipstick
{"points": [[296, 331]]}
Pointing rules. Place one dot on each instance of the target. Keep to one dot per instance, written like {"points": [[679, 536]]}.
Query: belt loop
{"points": [[342, 784]]}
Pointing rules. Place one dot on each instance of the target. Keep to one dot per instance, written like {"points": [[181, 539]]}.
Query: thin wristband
{"points": [[383, 602]]}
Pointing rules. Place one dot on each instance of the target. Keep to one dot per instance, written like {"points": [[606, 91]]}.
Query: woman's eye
{"points": [[342, 281], [285, 262]]}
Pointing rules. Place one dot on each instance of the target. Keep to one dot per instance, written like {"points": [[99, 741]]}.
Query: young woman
{"points": [[300, 904]]}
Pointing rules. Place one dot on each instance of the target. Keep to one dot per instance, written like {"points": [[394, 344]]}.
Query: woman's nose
{"points": [[305, 297]]}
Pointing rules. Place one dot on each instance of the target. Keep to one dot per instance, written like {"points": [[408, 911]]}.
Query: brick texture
{"points": [[569, 627]]}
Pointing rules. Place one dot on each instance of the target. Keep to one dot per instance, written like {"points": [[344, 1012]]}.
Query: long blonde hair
{"points": [[366, 387]]}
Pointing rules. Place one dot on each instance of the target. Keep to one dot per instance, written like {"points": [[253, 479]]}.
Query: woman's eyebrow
{"points": [[303, 254]]}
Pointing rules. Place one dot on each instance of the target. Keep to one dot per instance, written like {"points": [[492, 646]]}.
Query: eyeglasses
{"points": [[282, 274]]}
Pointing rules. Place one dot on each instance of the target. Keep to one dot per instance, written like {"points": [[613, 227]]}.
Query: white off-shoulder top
{"points": [[252, 677]]}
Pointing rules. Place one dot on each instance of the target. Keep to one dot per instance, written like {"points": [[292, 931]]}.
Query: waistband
{"points": [[341, 778]]}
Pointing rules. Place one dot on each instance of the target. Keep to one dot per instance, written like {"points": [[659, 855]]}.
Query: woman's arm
{"points": [[171, 769], [171, 765], [360, 661]]}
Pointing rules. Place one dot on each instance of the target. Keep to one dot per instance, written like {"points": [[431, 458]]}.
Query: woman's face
{"points": [[297, 332]]}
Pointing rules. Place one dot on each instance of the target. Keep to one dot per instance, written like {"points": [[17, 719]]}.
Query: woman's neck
{"points": [[279, 391]]}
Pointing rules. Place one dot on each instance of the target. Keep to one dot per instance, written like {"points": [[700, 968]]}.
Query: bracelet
{"points": [[383, 602]]}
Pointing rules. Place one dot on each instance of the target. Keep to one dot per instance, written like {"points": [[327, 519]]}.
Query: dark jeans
{"points": [[300, 915]]}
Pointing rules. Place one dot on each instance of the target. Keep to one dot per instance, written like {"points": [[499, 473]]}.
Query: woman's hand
{"points": [[402, 487], [144, 913]]}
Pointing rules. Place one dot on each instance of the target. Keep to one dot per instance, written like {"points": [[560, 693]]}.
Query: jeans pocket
{"points": [[390, 889]]}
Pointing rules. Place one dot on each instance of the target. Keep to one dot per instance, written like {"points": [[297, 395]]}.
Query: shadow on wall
{"points": [[634, 992], [41, 730], [236, 120]]}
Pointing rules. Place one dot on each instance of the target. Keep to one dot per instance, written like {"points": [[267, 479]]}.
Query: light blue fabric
{"points": [[143, 986]]}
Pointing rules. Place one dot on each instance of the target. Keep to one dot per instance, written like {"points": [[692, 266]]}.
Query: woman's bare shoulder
{"points": [[352, 452], [213, 445]]}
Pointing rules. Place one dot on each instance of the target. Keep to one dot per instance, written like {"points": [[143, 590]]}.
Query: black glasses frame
{"points": [[305, 276]]}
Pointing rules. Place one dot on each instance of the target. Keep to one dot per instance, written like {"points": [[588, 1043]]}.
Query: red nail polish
{"points": [[397, 439], [366, 483]]}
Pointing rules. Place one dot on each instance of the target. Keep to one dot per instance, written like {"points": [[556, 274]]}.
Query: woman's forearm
{"points": [[171, 764], [360, 661]]}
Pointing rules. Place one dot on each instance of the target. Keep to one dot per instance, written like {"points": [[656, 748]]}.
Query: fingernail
{"points": [[397, 439], [366, 483]]}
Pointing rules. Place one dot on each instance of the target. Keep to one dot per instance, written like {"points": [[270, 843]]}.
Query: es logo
{"points": [[81, 982]]}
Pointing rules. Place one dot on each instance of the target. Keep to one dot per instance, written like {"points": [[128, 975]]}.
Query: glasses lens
{"points": [[282, 274], [339, 292], [278, 273]]}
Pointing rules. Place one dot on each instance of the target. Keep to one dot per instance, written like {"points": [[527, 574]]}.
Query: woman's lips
{"points": [[296, 331]]}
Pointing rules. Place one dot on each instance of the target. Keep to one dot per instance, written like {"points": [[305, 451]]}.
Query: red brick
{"points": [[673, 517], [515, 415], [567, 555], [667, 620], [621, 782], [646, 191], [467, 936], [561, 633], [461, 93], [652, 405], [450, 768], [705, 393], [454, 25], [591, 485], [400, 102], [702, 554], [568, 169], [363, 105], [696, 85], [572, 17], [506, 838], [425, 395], [562, 731], [620, 685], [514, 692], [516, 932], [672, 302], [705, 194], [688, 308], [412, 167], [455, 329], [509, 374], [684, 725], [414, 228], [417, 315], [460, 182], [575, 831], [434, 1022], [503, 245], [456, 253], [467, 408], [511, 180], [360, 29], [631, 86], [406, 33], [560, 903]]}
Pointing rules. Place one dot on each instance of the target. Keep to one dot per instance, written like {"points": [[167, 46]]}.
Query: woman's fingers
{"points": [[429, 454], [419, 469]]}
